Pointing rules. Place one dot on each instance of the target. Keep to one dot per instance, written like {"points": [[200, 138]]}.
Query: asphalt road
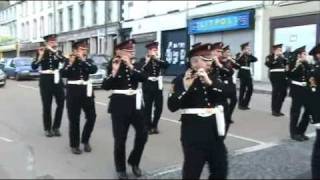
{"points": [[20, 118]]}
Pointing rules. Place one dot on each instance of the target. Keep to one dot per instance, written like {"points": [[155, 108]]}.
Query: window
{"points": [[60, 2], [61, 20], [22, 31], [81, 14], [109, 13], [25, 8], [41, 26], [94, 12], [41, 5], [27, 30], [49, 4], [33, 6], [50, 24], [70, 15], [35, 28]]}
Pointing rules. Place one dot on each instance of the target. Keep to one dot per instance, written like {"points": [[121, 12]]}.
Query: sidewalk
{"points": [[262, 87]]}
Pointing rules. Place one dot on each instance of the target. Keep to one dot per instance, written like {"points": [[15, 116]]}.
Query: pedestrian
{"points": [[48, 59], [80, 96], [126, 108], [299, 73], [153, 87], [278, 67], [197, 94], [315, 103], [229, 65], [245, 59]]}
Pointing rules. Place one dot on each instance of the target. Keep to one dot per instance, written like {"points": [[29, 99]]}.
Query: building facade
{"points": [[177, 25], [71, 20]]}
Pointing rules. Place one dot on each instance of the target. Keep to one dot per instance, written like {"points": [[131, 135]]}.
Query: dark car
{"points": [[20, 68]]}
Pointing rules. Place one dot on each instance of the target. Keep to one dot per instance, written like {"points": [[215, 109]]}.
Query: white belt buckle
{"points": [[226, 82]]}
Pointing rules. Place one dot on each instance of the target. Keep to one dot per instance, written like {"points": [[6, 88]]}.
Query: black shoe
{"points": [[297, 138], [136, 171], [241, 107], [246, 108], [122, 175], [276, 114], [87, 148], [150, 131], [282, 114], [305, 138], [56, 133], [76, 151], [48, 133], [155, 131]]}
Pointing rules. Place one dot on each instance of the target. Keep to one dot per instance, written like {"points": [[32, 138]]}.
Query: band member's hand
{"points": [[115, 66], [217, 62], [204, 77], [72, 59], [40, 53], [188, 78], [148, 58], [312, 82]]}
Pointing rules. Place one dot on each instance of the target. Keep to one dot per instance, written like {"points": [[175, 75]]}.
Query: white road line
{"points": [[231, 135], [311, 135], [254, 148], [28, 87], [101, 103], [6, 139]]}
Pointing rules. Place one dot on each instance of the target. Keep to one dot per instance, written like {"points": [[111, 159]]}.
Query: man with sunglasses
{"points": [[48, 59]]}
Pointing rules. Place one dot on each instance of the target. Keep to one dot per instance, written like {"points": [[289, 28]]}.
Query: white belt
{"points": [[245, 67], [159, 79], [226, 82], [131, 92], [86, 83], [317, 125], [277, 70], [56, 74], [206, 112], [299, 83]]}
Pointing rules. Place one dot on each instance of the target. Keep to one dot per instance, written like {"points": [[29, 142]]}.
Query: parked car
{"points": [[101, 62], [3, 78], [20, 68]]}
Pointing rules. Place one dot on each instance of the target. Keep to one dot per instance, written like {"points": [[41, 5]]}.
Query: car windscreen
{"points": [[23, 62]]}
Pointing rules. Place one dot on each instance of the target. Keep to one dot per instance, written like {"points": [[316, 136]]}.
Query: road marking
{"points": [[311, 135], [231, 135], [28, 87], [101, 103], [6, 139], [254, 148]]}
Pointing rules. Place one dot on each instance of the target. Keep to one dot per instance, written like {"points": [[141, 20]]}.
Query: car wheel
{"points": [[18, 78]]}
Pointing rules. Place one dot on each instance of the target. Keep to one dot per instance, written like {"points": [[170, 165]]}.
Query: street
{"points": [[254, 131]]}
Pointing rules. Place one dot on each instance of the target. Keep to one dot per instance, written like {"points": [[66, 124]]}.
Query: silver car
{"points": [[101, 62]]}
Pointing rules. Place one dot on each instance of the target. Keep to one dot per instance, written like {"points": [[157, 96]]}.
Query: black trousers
{"points": [[300, 99], [231, 100], [120, 126], [48, 90], [246, 90], [153, 98], [279, 93], [196, 157], [316, 157], [76, 100]]}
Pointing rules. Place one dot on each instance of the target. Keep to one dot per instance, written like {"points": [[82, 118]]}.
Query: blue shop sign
{"points": [[227, 22]]}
